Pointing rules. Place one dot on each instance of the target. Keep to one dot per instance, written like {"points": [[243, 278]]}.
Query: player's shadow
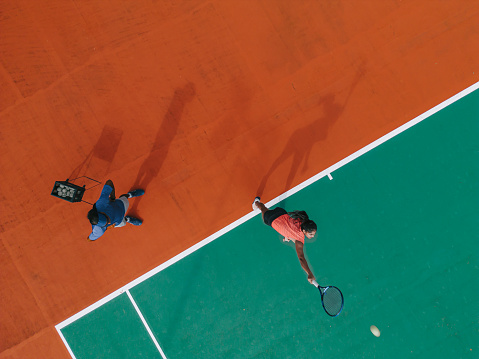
{"points": [[301, 143], [164, 137]]}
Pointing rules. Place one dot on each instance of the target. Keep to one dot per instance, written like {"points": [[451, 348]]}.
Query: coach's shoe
{"points": [[255, 207], [136, 193], [134, 221]]}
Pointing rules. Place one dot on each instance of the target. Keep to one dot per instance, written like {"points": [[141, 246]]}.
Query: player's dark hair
{"points": [[93, 215], [307, 225]]}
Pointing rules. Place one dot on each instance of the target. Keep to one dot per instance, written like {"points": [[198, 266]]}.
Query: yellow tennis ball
{"points": [[374, 329]]}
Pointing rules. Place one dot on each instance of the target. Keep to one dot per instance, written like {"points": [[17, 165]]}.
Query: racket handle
{"points": [[315, 283]]}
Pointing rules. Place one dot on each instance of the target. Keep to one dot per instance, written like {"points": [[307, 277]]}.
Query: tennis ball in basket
{"points": [[374, 329]]}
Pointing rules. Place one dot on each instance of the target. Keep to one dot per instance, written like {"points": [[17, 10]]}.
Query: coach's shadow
{"points": [[104, 150], [164, 137], [97, 163]]}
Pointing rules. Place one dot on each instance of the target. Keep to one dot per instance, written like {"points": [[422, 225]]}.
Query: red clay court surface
{"points": [[205, 104]]}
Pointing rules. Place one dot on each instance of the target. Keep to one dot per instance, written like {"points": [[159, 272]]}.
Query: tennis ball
{"points": [[374, 329]]}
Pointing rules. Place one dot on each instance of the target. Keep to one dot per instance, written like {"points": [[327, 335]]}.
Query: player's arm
{"points": [[96, 233], [302, 260], [112, 194]]}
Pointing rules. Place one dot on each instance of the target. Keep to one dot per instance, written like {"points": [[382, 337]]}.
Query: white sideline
{"points": [[326, 172]]}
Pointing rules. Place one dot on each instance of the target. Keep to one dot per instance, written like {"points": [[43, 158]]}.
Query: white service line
{"points": [[65, 342], [145, 324], [250, 215]]}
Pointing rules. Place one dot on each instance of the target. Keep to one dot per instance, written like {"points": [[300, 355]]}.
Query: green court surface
{"points": [[398, 234]]}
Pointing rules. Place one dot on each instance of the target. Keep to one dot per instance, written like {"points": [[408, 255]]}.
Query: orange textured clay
{"points": [[44, 344], [204, 104]]}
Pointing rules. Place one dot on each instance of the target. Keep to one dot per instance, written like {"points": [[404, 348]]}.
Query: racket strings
{"points": [[332, 301]]}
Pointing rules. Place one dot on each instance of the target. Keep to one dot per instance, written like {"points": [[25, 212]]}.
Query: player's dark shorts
{"points": [[272, 214]]}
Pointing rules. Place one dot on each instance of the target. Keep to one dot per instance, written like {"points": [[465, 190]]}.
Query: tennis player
{"points": [[109, 212], [294, 226]]}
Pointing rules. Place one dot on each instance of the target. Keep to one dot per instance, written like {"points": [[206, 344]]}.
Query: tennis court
{"points": [[397, 233], [205, 104]]}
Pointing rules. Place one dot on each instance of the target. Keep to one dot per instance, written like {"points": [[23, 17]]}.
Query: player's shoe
{"points": [[136, 193], [133, 220], [255, 207]]}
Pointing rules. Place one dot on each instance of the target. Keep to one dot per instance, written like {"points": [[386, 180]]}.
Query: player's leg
{"points": [[269, 215], [129, 219], [133, 220], [134, 193], [257, 204]]}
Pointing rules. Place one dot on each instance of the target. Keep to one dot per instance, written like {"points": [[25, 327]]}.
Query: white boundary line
{"points": [[146, 324], [326, 172]]}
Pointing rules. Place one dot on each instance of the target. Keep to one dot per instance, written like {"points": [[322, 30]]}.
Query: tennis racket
{"points": [[331, 298]]}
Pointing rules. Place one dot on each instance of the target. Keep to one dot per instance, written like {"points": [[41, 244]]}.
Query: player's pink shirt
{"points": [[288, 227]]}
